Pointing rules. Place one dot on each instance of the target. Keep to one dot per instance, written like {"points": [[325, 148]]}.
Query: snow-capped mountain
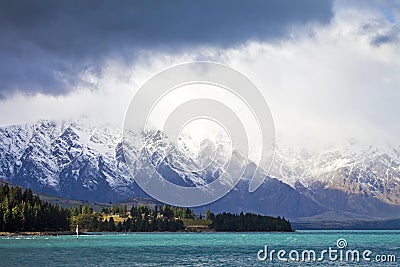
{"points": [[87, 162], [370, 171], [79, 160], [69, 159]]}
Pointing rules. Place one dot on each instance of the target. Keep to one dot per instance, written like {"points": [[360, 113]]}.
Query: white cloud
{"points": [[325, 85], [328, 85]]}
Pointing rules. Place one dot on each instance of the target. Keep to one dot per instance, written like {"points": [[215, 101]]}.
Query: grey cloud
{"points": [[389, 38], [44, 45]]}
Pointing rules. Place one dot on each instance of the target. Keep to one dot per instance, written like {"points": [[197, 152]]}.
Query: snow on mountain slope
{"points": [[79, 160], [355, 169], [75, 158], [67, 158]]}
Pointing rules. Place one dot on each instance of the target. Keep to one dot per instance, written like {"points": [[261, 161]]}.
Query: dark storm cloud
{"points": [[44, 45]]}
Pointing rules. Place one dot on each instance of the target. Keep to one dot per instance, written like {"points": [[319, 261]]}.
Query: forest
{"points": [[137, 219], [23, 211], [250, 222]]}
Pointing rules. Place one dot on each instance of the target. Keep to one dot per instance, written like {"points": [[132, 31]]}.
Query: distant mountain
{"points": [[86, 162], [363, 180], [65, 159]]}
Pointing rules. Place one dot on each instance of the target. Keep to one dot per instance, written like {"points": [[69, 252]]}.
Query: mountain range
{"points": [[84, 161]]}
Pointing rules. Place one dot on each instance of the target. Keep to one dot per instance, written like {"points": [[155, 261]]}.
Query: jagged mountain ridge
{"points": [[82, 161], [64, 158], [355, 169]]}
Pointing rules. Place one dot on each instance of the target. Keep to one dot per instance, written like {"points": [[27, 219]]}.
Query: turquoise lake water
{"points": [[194, 249]]}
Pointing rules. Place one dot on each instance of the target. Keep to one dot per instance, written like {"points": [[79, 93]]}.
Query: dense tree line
{"points": [[137, 219], [22, 211], [249, 222]]}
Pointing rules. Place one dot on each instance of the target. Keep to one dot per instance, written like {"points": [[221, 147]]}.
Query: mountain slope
{"points": [[367, 171], [87, 162]]}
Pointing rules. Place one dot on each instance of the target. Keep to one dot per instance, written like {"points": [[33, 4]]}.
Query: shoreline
{"points": [[58, 233], [39, 233]]}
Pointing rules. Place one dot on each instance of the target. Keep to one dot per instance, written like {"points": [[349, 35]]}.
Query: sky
{"points": [[329, 70]]}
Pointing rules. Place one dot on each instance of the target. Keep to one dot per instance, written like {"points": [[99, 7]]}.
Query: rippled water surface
{"points": [[191, 249]]}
